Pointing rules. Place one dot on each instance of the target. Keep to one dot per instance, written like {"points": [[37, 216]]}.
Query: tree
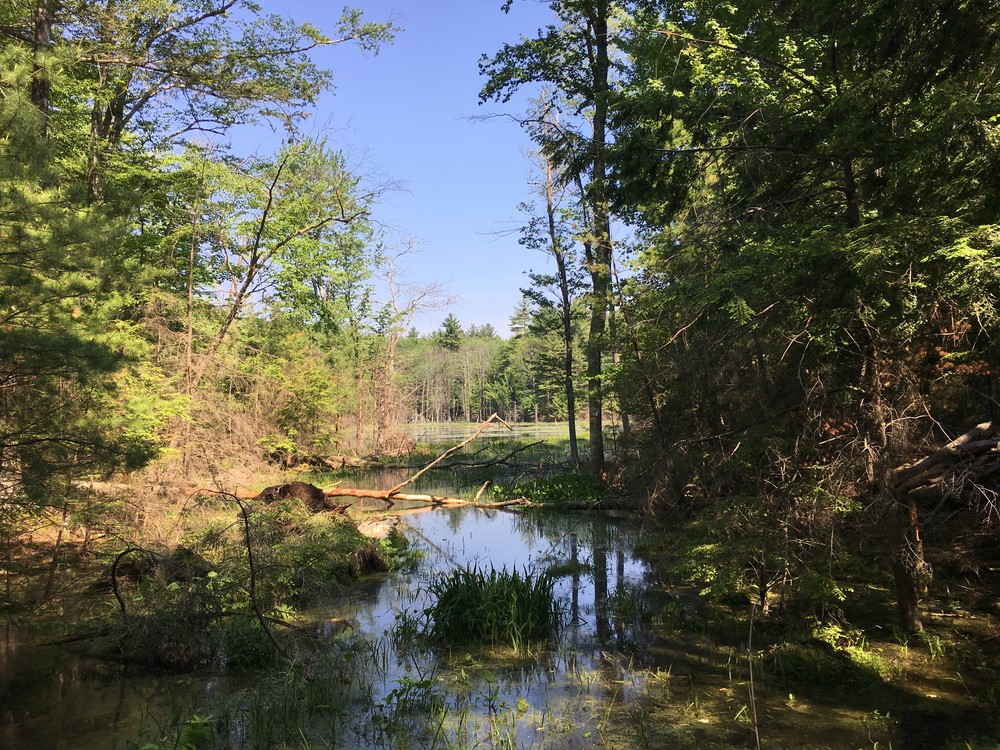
{"points": [[167, 69], [450, 335], [575, 60], [485, 331], [405, 300], [75, 396], [94, 208], [291, 230], [550, 234], [816, 265]]}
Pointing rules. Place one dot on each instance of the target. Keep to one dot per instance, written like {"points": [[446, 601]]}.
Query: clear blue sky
{"points": [[403, 115]]}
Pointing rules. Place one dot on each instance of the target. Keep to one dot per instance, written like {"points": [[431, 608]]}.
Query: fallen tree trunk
{"points": [[390, 498], [393, 494], [442, 501], [976, 453], [961, 468]]}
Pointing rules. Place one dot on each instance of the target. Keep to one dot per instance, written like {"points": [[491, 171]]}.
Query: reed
{"points": [[494, 607]]}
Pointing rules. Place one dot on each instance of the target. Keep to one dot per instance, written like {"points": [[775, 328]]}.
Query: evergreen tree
{"points": [[818, 187], [450, 335]]}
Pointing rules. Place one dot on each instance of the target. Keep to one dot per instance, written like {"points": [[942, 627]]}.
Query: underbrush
{"points": [[228, 594]]}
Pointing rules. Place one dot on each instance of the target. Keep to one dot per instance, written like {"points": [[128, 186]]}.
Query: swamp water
{"points": [[376, 687], [638, 663]]}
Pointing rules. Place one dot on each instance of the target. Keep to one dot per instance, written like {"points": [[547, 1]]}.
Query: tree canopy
{"points": [[799, 302]]}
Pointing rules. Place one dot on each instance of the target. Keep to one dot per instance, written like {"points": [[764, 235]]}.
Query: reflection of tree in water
{"points": [[574, 558], [600, 556], [455, 521], [601, 581]]}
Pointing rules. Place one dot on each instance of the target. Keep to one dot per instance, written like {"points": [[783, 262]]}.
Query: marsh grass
{"points": [[628, 605], [495, 607], [561, 488]]}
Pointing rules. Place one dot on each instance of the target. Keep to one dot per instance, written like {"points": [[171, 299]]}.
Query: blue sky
{"points": [[403, 116]]}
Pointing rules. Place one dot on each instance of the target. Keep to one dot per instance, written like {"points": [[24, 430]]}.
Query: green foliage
{"points": [[450, 335], [495, 608], [565, 488], [853, 643], [858, 241], [192, 733], [245, 645], [78, 397], [106, 226], [304, 556], [817, 280], [806, 664], [196, 606], [306, 399]]}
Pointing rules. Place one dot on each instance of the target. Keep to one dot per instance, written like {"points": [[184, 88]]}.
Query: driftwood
{"points": [[443, 501]]}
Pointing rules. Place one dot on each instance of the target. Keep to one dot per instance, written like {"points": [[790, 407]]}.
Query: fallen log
{"points": [[976, 453], [390, 498], [393, 494]]}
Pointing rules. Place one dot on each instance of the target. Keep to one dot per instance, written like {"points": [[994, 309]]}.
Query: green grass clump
{"points": [[563, 488], [498, 607]]}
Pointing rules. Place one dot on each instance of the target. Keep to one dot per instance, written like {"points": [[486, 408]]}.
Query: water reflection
{"points": [[552, 697], [49, 699]]}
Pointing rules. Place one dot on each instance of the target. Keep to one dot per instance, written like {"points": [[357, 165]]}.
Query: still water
{"points": [[395, 693]]}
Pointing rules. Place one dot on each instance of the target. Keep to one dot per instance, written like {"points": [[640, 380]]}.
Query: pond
{"points": [[436, 433], [378, 688]]}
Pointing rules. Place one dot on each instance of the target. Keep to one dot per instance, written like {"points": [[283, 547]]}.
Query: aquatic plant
{"points": [[562, 488], [627, 604], [493, 607]]}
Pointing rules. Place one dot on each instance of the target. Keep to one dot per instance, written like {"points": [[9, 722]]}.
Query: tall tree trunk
{"points": [[95, 187], [595, 356], [41, 83], [574, 452], [907, 599], [599, 260], [567, 311], [903, 548]]}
